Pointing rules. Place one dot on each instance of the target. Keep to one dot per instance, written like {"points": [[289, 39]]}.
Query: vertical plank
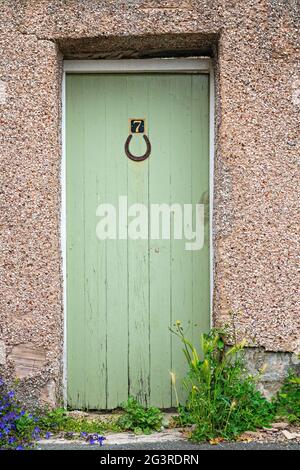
{"points": [[75, 243], [200, 194], [117, 301], [86, 329], [138, 253], [159, 255], [181, 260], [95, 265]]}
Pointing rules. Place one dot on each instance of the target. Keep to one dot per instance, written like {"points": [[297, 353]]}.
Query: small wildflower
{"points": [[101, 440], [47, 435], [173, 378], [10, 414], [233, 404]]}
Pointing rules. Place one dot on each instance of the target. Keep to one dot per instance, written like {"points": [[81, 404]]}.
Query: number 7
{"points": [[137, 128]]}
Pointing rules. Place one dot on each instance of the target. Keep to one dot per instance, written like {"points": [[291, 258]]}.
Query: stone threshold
{"points": [[123, 438]]}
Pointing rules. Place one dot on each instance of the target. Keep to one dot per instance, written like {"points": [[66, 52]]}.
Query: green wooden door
{"points": [[123, 294]]}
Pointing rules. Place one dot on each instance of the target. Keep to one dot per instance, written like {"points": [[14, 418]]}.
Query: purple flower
{"points": [[101, 440], [10, 414], [35, 434], [47, 435], [83, 434], [91, 441]]}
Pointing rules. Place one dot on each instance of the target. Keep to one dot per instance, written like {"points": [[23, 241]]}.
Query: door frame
{"points": [[161, 65]]}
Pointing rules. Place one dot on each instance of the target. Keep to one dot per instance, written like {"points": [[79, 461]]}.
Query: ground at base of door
{"points": [[280, 436]]}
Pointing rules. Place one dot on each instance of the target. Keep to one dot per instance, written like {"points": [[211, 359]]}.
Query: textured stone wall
{"points": [[256, 214], [271, 368]]}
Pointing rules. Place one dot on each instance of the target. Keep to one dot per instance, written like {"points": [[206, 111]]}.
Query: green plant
{"points": [[139, 419], [58, 420], [287, 400], [222, 397], [18, 430]]}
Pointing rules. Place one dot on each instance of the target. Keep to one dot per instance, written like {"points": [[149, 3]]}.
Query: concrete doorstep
{"points": [[169, 439], [122, 438]]}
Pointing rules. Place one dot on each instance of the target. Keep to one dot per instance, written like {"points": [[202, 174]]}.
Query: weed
{"points": [[139, 419], [58, 420], [18, 428], [222, 398], [287, 400]]}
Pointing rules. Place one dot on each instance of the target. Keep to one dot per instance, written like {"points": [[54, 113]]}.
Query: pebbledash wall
{"points": [[256, 182]]}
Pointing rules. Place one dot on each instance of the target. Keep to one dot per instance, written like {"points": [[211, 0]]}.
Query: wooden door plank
{"points": [[181, 260], [75, 242], [95, 250], [159, 255], [138, 252], [200, 194], [117, 279]]}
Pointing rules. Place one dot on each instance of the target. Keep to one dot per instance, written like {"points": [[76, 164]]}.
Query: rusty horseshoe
{"points": [[134, 157]]}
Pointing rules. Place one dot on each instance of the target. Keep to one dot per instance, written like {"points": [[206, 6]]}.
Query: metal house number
{"points": [[137, 126]]}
